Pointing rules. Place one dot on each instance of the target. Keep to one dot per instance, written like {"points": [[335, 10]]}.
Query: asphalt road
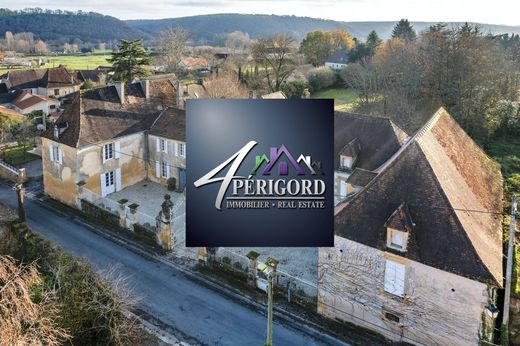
{"points": [[196, 312]]}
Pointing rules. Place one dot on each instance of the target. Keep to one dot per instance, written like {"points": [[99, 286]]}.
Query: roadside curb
{"points": [[287, 317]]}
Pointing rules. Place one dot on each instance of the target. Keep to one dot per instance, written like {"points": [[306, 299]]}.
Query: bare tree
{"points": [[225, 86], [173, 43], [9, 40], [275, 55], [237, 40], [41, 48]]}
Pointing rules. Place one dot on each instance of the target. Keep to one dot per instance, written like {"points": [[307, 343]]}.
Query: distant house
{"points": [[46, 82], [194, 64], [26, 103], [412, 259], [337, 60]]}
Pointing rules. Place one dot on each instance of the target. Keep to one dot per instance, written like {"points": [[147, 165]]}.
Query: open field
{"points": [[73, 62], [343, 98]]}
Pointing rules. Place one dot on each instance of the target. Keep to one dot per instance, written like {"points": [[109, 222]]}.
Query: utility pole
{"points": [[509, 268], [272, 264]]}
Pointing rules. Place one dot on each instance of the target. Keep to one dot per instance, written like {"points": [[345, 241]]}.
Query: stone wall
{"points": [[438, 308]]}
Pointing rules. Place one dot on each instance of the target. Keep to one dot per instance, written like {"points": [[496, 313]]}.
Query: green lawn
{"points": [[18, 155], [343, 98], [74, 62]]}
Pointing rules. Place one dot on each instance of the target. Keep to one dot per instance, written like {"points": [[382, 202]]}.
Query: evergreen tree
{"points": [[404, 30], [373, 39], [129, 61]]}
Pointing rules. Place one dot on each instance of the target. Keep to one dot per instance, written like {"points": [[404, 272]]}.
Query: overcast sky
{"points": [[490, 12]]}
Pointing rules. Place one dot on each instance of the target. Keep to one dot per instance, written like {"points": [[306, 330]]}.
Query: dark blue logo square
{"points": [[260, 173]]}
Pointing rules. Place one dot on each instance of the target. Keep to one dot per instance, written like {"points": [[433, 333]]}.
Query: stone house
{"points": [[361, 145], [26, 103], [56, 82], [167, 148], [101, 141], [412, 259]]}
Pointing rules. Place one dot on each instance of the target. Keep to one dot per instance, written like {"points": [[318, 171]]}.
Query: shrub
{"points": [[294, 89], [172, 184], [321, 78]]}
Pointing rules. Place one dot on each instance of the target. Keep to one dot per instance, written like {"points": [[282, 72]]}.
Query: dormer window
{"points": [[346, 162], [396, 239], [398, 229]]}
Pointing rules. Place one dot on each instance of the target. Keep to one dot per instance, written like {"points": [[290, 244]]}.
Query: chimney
{"points": [[178, 95], [145, 85], [120, 88]]}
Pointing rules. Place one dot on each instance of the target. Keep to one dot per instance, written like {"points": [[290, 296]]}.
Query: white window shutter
{"points": [[118, 179], [395, 278], [60, 156], [176, 151], [51, 152], [103, 187], [103, 156], [166, 146], [167, 171], [117, 149], [157, 169], [158, 145]]}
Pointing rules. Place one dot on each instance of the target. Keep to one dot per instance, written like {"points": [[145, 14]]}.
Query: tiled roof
{"points": [[26, 100], [439, 173], [378, 138], [338, 57], [360, 177], [98, 115], [46, 78], [171, 124]]}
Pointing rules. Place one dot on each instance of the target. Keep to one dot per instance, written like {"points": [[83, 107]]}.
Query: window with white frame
{"points": [[55, 154], [108, 151], [165, 170], [182, 149], [397, 239], [163, 145], [395, 275], [109, 179]]}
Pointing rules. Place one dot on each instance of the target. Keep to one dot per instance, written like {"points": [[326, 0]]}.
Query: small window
{"points": [[52, 107], [397, 239], [392, 317], [182, 149], [56, 92], [56, 153], [109, 151], [164, 170], [164, 148]]}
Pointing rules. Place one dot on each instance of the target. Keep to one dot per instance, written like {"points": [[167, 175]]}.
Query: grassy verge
{"points": [[506, 151], [343, 98], [18, 155]]}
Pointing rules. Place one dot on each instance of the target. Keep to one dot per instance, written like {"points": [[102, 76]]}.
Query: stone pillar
{"points": [[211, 256], [273, 265], [122, 215], [252, 267], [164, 224], [20, 192]]}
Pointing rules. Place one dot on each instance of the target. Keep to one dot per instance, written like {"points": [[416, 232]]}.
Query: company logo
{"points": [[269, 183], [260, 172]]}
